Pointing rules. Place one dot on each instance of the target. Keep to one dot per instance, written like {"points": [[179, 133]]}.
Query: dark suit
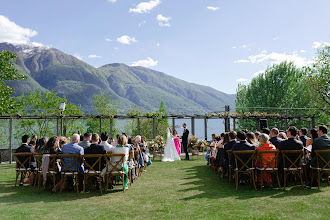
{"points": [[320, 143], [276, 141], [303, 140], [290, 144], [95, 149], [185, 142], [240, 146], [25, 148]]}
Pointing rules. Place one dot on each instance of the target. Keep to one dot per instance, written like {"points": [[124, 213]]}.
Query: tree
{"points": [[8, 72], [280, 86]]}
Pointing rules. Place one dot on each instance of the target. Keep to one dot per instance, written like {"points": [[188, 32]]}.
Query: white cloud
{"points": [[243, 46], [213, 8], [145, 63], [145, 7], [275, 58], [317, 44], [302, 51], [258, 73], [276, 38], [242, 80], [78, 56], [108, 39], [112, 1], [91, 56], [142, 23], [163, 21], [116, 48], [158, 44], [126, 39], [12, 33]]}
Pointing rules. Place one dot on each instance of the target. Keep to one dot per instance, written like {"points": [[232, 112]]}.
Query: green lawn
{"points": [[178, 190]]}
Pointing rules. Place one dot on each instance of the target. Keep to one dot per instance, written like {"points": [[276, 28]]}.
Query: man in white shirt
{"points": [[105, 138]]}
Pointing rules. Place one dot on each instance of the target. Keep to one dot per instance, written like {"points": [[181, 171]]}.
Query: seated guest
{"points": [[52, 146], [25, 148], [274, 139], [87, 140], [282, 135], [119, 149], [265, 145], [290, 144], [302, 135], [251, 138], [33, 145], [309, 142], [64, 140], [73, 148], [95, 148], [321, 143], [105, 138], [257, 133], [241, 146], [219, 161], [228, 146], [266, 131], [42, 142]]}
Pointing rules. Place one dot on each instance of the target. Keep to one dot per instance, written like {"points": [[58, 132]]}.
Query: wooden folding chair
{"points": [[115, 167], [292, 164], [245, 167], [229, 175], [271, 166], [321, 169], [23, 164], [71, 168], [51, 169], [92, 169]]}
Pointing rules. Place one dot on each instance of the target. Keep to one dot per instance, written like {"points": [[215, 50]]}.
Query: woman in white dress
{"points": [[170, 152]]}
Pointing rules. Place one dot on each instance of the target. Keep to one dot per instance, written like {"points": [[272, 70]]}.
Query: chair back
{"points": [[268, 159], [114, 162], [244, 160], [323, 159], [69, 163], [228, 153], [292, 159], [92, 163], [38, 157], [23, 161]]}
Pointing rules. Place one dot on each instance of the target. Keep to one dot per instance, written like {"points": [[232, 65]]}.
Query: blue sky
{"points": [[218, 43]]}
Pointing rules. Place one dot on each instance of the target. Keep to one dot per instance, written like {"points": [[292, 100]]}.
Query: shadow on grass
{"points": [[211, 185]]}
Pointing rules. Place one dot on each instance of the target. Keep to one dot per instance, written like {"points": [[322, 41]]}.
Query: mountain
{"points": [[50, 69]]}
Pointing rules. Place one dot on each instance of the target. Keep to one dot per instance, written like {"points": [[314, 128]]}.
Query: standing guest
{"points": [[302, 135], [95, 148], [282, 135], [241, 145], [265, 145], [266, 131], [25, 148], [105, 138], [251, 138], [119, 149], [184, 140], [87, 140], [274, 139]]}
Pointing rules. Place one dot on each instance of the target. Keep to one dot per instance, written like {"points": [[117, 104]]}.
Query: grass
{"points": [[178, 190]]}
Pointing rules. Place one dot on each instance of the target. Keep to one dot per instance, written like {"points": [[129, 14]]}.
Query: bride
{"points": [[170, 152]]}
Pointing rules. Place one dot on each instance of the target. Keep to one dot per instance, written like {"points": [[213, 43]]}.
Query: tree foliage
{"points": [[7, 73]]}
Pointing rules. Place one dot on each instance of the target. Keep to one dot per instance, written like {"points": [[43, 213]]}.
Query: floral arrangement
{"points": [[244, 115], [157, 144], [201, 144], [192, 141]]}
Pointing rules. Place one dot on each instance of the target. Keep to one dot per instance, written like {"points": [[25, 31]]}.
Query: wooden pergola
{"points": [[226, 116]]}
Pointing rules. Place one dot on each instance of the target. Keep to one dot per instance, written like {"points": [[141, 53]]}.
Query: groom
{"points": [[185, 140]]}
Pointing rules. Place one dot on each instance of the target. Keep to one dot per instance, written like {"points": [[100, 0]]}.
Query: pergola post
{"points": [[173, 124], [192, 125], [61, 125], [154, 127], [309, 126], [286, 123], [138, 126], [313, 122], [258, 124], [10, 137], [111, 125], [57, 127], [100, 125], [234, 124], [205, 128]]}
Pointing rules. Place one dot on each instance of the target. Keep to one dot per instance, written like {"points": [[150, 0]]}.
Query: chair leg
{"points": [[253, 180], [61, 183], [123, 176], [84, 183], [312, 178], [278, 180], [39, 175], [236, 179], [261, 179], [319, 178], [17, 174], [54, 182], [100, 184], [284, 179], [301, 179], [77, 183]]}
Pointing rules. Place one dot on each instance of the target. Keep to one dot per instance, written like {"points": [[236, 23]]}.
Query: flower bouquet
{"points": [[157, 144], [201, 145], [192, 142]]}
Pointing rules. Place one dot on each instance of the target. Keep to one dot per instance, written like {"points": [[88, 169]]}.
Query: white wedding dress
{"points": [[170, 153]]}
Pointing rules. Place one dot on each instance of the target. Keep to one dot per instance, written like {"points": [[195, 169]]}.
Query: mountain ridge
{"points": [[49, 69]]}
